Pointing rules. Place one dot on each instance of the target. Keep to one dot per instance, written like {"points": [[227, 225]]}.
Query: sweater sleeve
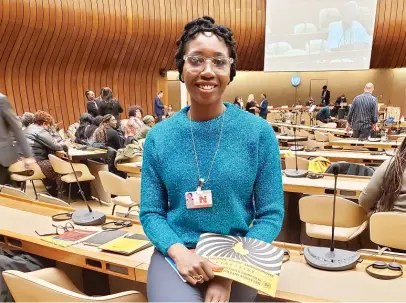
{"points": [[154, 202], [370, 195], [268, 190]]}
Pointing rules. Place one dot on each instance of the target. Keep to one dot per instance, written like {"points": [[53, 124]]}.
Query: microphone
{"points": [[331, 259], [296, 173], [82, 216]]}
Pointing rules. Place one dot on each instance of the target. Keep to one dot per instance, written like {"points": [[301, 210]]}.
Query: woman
{"points": [[134, 121], [251, 105], [42, 144], [85, 120], [386, 191], [170, 112], [92, 127], [109, 105], [107, 134], [204, 143], [239, 103]]}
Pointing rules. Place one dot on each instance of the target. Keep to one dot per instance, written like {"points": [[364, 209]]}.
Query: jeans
{"points": [[362, 133]]}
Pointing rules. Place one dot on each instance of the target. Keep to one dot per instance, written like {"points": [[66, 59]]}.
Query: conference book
{"points": [[249, 261]]}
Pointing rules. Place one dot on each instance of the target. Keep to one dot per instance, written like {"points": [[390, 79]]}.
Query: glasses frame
{"points": [[68, 227], [185, 57]]}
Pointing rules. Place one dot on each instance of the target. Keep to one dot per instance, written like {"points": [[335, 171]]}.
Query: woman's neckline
{"points": [[187, 109]]}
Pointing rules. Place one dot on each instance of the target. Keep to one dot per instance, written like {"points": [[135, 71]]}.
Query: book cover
{"points": [[126, 245], [249, 261], [104, 237], [75, 235], [173, 265]]}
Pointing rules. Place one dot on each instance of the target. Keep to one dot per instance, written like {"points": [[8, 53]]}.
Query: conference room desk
{"points": [[347, 186], [335, 156], [133, 169], [312, 129], [287, 139], [367, 144], [19, 218], [77, 155]]}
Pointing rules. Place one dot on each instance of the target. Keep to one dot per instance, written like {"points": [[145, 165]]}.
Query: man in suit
{"points": [[325, 96], [92, 104], [9, 124], [158, 106], [263, 107]]}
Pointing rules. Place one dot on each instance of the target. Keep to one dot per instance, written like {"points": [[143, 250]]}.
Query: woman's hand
{"points": [[219, 290], [192, 266]]}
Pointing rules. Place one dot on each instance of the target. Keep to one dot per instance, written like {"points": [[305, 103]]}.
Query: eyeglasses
{"points": [[115, 225], [197, 63], [60, 230]]}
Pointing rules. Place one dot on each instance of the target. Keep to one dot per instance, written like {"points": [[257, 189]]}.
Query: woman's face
{"points": [[169, 107], [113, 122], [207, 82], [138, 113]]}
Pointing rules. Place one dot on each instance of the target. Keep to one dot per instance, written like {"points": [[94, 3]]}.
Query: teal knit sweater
{"points": [[246, 181]]}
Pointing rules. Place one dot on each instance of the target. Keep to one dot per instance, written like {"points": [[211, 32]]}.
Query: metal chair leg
{"points": [[114, 207], [35, 190], [70, 185]]}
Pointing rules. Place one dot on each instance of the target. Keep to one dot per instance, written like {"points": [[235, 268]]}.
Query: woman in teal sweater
{"points": [[214, 149]]}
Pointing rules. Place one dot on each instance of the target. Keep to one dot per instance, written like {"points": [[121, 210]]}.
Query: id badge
{"points": [[198, 199]]}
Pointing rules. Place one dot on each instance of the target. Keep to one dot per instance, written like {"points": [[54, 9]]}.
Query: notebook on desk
{"points": [[104, 237], [127, 245]]}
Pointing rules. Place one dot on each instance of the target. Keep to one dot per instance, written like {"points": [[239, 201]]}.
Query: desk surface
{"points": [[290, 138], [298, 281], [337, 131], [367, 144], [77, 154], [347, 186], [335, 156], [133, 168]]}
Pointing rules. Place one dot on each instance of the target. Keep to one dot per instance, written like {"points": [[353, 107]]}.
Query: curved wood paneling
{"points": [[51, 51]]}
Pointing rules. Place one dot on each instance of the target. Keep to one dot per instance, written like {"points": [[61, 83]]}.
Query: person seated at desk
{"points": [[134, 122], [42, 144], [341, 100], [92, 127], [324, 115], [310, 102], [85, 120], [386, 191], [106, 133]]}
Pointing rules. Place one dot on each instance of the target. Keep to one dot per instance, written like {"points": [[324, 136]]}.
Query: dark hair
{"points": [[264, 95], [133, 109], [106, 94], [87, 92], [325, 87], [41, 117], [27, 119], [97, 120], [392, 184], [86, 118], [200, 25], [160, 92], [236, 99]]}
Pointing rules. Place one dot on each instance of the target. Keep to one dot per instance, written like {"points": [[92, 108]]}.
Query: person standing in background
{"points": [[10, 124], [251, 105], [325, 96], [108, 105], [363, 114], [263, 107], [92, 104], [158, 106]]}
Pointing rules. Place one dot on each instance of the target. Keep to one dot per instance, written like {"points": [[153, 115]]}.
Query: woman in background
{"points": [[134, 122], [169, 112], [386, 191], [109, 105], [106, 133], [239, 103], [251, 105], [92, 127], [42, 144], [85, 120]]}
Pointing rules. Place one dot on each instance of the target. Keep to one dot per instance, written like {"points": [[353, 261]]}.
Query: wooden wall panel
{"points": [[51, 51]]}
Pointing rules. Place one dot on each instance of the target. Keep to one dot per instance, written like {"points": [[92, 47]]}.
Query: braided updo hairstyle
{"points": [[200, 25]]}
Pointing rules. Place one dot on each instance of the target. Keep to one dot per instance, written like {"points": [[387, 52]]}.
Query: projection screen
{"points": [[317, 35]]}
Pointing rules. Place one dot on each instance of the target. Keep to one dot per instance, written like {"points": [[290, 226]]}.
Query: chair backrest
{"points": [[59, 166], [314, 144], [387, 229], [113, 184], [52, 200], [320, 137], [352, 169], [38, 290], [134, 189], [304, 133], [19, 167], [331, 137], [319, 210], [14, 192], [302, 163]]}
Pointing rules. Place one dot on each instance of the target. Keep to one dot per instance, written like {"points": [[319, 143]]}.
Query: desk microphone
{"points": [[296, 173], [331, 259], [84, 217]]}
